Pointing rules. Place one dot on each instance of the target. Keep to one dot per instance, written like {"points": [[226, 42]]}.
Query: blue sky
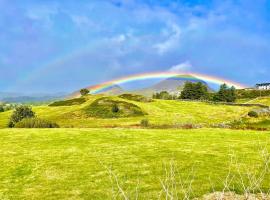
{"points": [[63, 45]]}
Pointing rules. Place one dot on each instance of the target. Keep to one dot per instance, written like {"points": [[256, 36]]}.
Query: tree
{"points": [[2, 109], [84, 91], [194, 91], [225, 94], [19, 114]]}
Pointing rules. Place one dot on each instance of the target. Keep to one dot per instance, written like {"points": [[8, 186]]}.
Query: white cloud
{"points": [[171, 42], [182, 67]]}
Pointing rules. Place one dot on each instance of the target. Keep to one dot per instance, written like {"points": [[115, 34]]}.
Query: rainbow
{"points": [[159, 75]]}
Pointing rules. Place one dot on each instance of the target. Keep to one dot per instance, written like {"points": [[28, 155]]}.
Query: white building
{"points": [[263, 86]]}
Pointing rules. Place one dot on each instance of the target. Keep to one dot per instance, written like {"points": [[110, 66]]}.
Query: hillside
{"points": [[159, 112]]}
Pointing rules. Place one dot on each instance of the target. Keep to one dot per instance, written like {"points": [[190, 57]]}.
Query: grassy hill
{"points": [[96, 163], [159, 112]]}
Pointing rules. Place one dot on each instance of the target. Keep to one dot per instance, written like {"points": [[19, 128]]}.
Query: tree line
{"points": [[199, 91]]}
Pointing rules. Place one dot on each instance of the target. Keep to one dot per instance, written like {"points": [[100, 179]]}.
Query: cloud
{"points": [[171, 41], [182, 67]]}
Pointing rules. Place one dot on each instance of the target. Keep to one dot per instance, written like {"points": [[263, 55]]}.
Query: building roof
{"points": [[262, 84]]}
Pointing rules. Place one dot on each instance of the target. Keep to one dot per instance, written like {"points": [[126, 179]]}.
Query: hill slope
{"points": [[160, 112]]}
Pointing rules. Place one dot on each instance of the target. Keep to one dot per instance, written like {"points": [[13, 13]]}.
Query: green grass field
{"points": [[88, 163], [87, 159], [160, 112]]}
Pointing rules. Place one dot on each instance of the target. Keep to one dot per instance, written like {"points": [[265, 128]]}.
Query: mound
{"points": [[69, 102], [109, 108], [135, 97]]}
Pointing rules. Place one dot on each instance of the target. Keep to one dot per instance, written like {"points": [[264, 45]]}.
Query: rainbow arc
{"points": [[160, 75]]}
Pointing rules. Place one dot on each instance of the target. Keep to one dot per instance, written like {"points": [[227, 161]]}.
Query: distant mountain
{"points": [[173, 85], [9, 94], [112, 90], [30, 98]]}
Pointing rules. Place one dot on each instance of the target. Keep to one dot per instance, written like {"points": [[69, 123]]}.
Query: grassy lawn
{"points": [[88, 163]]}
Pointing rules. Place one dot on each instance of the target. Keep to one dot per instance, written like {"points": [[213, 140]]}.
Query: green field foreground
{"points": [[108, 163]]}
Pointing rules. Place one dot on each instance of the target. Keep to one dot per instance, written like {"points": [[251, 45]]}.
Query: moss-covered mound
{"points": [[70, 102], [135, 97], [109, 108]]}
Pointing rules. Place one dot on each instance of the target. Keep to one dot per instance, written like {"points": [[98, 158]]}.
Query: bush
{"points": [[115, 108], [2, 109], [144, 123], [253, 114], [35, 123], [19, 114]]}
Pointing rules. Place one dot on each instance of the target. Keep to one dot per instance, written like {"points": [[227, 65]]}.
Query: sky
{"points": [[63, 45]]}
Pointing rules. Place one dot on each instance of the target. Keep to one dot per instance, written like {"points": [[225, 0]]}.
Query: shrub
{"points": [[115, 108], [19, 114], [2, 109], [35, 123], [253, 114], [144, 123]]}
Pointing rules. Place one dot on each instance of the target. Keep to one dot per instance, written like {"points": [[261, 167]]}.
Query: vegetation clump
{"points": [[144, 122], [194, 91], [251, 94], [84, 91], [253, 113], [135, 97], [70, 102], [164, 95], [20, 113], [108, 108], [225, 94], [2, 109], [115, 108], [36, 123]]}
